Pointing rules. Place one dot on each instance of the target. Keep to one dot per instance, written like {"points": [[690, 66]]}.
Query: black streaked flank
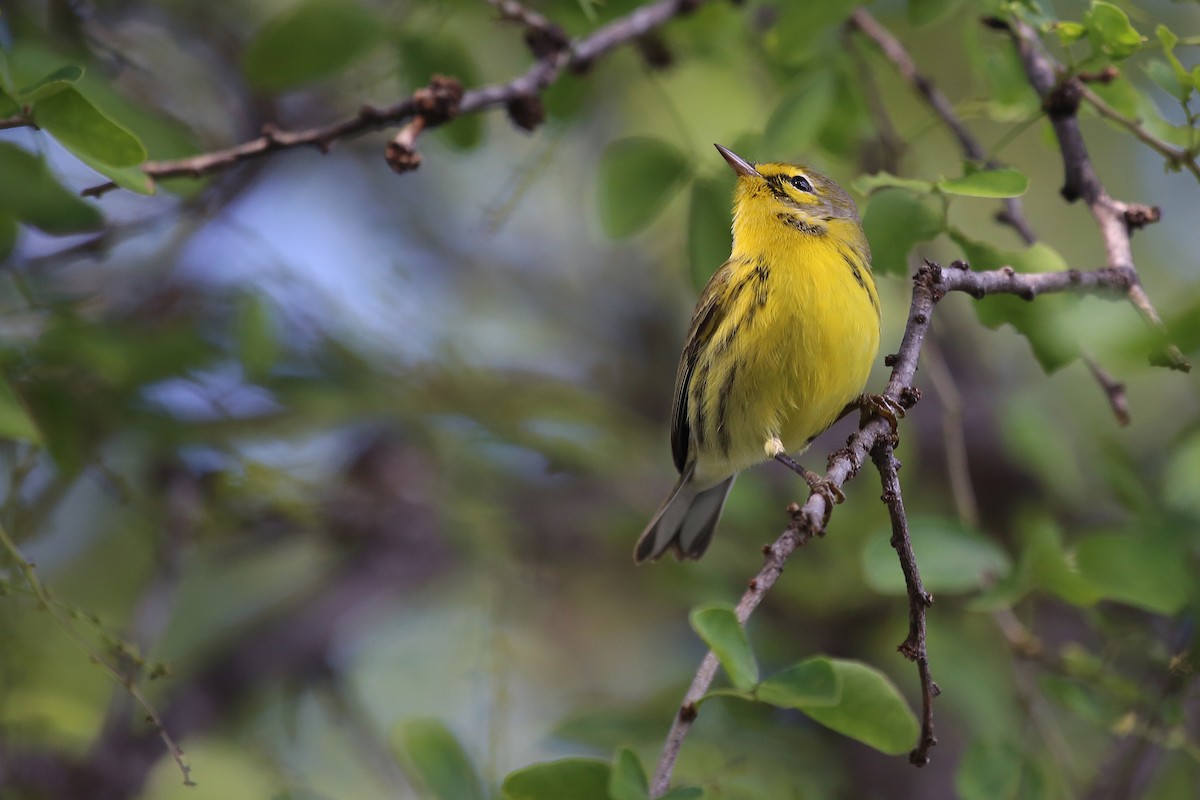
{"points": [[723, 411]]}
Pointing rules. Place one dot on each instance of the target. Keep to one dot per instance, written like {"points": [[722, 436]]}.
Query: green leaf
{"points": [[15, 422], [422, 57], [86, 130], [576, 778], [1006, 182], [1110, 31], [52, 84], [708, 235], [869, 184], [257, 344], [895, 221], [989, 771], [1048, 566], [811, 683], [1069, 32], [927, 12], [799, 117], [638, 176], [435, 760], [29, 193], [8, 236], [952, 558], [1183, 79], [871, 710], [8, 106], [1149, 572], [684, 793], [309, 41], [794, 38], [1010, 98], [628, 779], [721, 631], [1052, 346]]}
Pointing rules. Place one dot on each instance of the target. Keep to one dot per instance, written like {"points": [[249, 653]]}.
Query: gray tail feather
{"points": [[686, 521]]}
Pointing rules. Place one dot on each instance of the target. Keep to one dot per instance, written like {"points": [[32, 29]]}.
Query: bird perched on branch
{"points": [[781, 343]]}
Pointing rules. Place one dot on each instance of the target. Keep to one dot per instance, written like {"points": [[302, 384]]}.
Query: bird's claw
{"points": [[828, 490], [880, 405]]}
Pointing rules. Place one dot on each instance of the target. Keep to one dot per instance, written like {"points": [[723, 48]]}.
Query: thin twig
{"points": [[1116, 219], [1115, 390], [913, 647], [890, 46], [930, 285], [47, 603], [516, 92], [1176, 157]]}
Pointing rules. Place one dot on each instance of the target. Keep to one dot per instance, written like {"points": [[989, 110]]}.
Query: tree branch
{"points": [[1116, 219], [432, 102], [930, 285], [890, 46], [1176, 157], [913, 647]]}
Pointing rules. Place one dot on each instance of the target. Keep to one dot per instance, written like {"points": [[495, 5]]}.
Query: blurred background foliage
{"points": [[343, 469]]}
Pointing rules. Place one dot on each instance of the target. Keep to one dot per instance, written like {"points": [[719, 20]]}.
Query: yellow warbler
{"points": [[781, 341]]}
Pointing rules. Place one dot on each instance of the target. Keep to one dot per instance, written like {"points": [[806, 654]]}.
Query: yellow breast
{"points": [[794, 346]]}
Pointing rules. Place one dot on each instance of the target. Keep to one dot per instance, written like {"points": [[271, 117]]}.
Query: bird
{"points": [[780, 345]]}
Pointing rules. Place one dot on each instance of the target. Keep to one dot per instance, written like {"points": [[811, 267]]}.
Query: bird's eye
{"points": [[801, 183]]}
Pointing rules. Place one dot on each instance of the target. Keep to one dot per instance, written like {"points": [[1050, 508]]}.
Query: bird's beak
{"points": [[740, 165]]}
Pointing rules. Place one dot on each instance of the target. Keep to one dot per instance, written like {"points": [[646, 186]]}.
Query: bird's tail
{"points": [[686, 521]]}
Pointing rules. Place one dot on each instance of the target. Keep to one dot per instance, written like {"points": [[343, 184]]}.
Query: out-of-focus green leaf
{"points": [[1149, 572], [871, 709], [1010, 97], [1181, 479], [638, 176], [989, 771], [628, 779], [8, 236], [15, 422], [1051, 346], [1160, 72], [809, 684], [257, 343], [8, 106], [1051, 568], [1122, 95], [29, 193], [684, 793], [721, 631], [86, 130], [952, 558], [799, 117], [576, 778], [309, 41], [895, 221], [927, 12], [800, 26], [422, 57], [435, 760], [1005, 182], [1068, 32], [1110, 31], [708, 234], [869, 184], [52, 84]]}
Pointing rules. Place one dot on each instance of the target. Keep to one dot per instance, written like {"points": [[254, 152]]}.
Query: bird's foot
{"points": [[879, 405], [817, 485]]}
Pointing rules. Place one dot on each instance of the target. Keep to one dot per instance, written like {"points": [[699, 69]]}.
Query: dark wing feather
{"points": [[710, 310]]}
